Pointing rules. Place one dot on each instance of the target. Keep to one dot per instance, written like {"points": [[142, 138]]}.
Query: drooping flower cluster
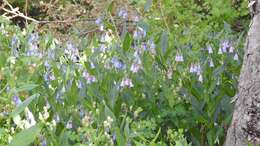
{"points": [[48, 76], [117, 63], [126, 82], [15, 43], [72, 52], [135, 67], [89, 78], [33, 49], [122, 13], [195, 68], [179, 57], [210, 50], [139, 33]]}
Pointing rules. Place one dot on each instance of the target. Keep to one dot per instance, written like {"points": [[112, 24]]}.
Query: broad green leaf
{"points": [[26, 137], [26, 87], [120, 138], [127, 42], [23, 105]]}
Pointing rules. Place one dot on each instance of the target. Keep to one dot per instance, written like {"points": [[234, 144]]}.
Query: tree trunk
{"points": [[245, 125]]}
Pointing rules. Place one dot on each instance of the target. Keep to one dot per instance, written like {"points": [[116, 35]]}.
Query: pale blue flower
{"points": [[17, 101], [122, 13], [136, 66], [90, 78], [211, 63], [69, 124], [231, 49], [139, 33], [210, 50], [200, 78], [179, 58], [224, 46], [72, 52], [126, 82], [117, 63], [236, 57], [15, 46]]}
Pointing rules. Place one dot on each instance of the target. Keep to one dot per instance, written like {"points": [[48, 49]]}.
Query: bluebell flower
{"points": [[79, 84], [151, 46], [47, 65], [92, 65], [33, 38], [195, 68], [117, 63], [126, 82], [102, 48], [90, 78], [200, 78], [32, 49], [15, 46], [69, 124], [30, 118], [210, 50], [231, 49], [139, 33], [122, 13], [192, 68], [144, 47], [224, 46], [72, 52], [179, 57], [49, 76], [99, 21], [136, 66], [17, 101], [198, 69], [56, 118], [236, 57], [211, 63]]}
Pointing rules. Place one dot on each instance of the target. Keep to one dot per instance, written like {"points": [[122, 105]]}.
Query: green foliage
{"points": [[159, 85], [26, 137]]}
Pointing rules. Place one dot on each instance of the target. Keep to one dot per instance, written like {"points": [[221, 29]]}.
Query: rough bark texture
{"points": [[245, 125]]}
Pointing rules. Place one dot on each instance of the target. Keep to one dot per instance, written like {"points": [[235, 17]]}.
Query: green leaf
{"points": [[148, 5], [26, 87], [26, 137], [164, 42], [127, 42], [2, 130], [24, 104]]}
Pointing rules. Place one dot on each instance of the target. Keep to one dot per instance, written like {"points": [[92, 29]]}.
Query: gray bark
{"points": [[245, 125]]}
